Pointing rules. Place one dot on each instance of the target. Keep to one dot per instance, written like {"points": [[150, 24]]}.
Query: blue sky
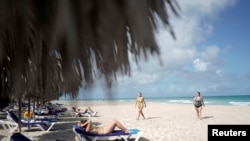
{"points": [[210, 55]]}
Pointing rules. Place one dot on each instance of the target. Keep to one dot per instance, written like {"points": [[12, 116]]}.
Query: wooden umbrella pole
{"points": [[19, 111]]}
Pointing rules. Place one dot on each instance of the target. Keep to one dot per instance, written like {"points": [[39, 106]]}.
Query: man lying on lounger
{"points": [[87, 109], [84, 112]]}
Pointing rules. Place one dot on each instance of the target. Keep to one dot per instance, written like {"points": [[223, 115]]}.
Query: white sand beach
{"points": [[164, 122]]}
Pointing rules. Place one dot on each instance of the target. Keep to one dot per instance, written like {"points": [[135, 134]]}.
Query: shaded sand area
{"points": [[164, 122]]}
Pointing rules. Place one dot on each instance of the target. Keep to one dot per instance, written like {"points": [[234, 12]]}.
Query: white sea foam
{"points": [[240, 103], [181, 101]]}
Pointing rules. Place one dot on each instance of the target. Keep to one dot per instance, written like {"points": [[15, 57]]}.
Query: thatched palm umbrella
{"points": [[51, 48]]}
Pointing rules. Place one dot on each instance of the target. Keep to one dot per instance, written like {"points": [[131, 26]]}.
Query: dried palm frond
{"points": [[53, 47]]}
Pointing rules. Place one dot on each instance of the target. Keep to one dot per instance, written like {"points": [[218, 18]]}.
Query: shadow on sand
{"points": [[1, 137], [206, 117], [151, 118]]}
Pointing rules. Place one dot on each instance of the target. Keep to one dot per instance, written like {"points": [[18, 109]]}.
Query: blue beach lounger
{"points": [[85, 136], [43, 125], [19, 137]]}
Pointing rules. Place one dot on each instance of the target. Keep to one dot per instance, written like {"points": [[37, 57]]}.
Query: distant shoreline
{"points": [[243, 100]]}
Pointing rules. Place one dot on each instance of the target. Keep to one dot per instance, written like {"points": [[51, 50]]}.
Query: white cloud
{"points": [[208, 60], [200, 65], [206, 8], [210, 53]]}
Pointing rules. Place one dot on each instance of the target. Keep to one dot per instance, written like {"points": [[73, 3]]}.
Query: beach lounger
{"points": [[19, 137], [85, 136], [51, 118], [8, 125], [82, 114], [43, 125]]}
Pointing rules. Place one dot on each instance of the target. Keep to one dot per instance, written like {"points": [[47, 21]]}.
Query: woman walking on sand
{"points": [[140, 102], [198, 103]]}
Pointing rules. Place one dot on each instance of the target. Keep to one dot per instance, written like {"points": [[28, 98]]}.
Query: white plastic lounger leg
{"points": [[52, 124], [15, 127], [124, 138], [4, 124], [138, 136], [40, 127], [11, 124]]}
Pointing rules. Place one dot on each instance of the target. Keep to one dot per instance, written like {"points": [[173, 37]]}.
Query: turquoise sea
{"points": [[209, 100], [240, 100]]}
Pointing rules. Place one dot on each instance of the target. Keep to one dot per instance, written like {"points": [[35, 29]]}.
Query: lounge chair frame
{"points": [[8, 125], [42, 125], [82, 135]]}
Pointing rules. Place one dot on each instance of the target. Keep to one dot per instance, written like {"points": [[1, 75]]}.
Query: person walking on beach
{"points": [[198, 104], [140, 102]]}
